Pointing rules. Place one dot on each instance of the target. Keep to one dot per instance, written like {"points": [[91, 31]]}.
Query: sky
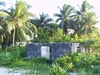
{"points": [[50, 6]]}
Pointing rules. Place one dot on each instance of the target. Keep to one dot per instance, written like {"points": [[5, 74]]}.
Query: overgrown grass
{"points": [[71, 63], [31, 68], [15, 58]]}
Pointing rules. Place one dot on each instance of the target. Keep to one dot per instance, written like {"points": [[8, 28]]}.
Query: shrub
{"points": [[57, 70], [77, 60], [6, 58], [65, 62], [12, 55], [18, 52]]}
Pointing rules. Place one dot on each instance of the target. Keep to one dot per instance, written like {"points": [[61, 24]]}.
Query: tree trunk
{"points": [[65, 28], [13, 37]]}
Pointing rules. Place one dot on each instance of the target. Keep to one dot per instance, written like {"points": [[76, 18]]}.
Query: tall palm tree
{"points": [[65, 17], [1, 22], [85, 7], [42, 21], [18, 24], [5, 38], [82, 16], [89, 22]]}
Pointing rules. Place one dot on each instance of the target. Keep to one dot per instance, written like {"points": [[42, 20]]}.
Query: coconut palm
{"points": [[18, 24], [89, 22], [5, 39], [85, 20], [65, 17], [85, 7], [1, 22], [42, 21]]}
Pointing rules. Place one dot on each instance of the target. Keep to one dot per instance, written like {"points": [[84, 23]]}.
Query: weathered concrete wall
{"points": [[57, 49]]}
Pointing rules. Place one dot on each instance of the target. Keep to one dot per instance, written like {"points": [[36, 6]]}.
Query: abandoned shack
{"points": [[49, 50]]}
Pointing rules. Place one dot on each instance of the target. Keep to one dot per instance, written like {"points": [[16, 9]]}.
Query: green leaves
{"points": [[65, 17], [21, 35], [57, 70], [10, 27], [1, 30], [31, 26], [20, 8], [4, 14], [16, 19]]}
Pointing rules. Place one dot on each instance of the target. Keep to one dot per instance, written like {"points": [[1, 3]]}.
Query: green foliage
{"points": [[47, 36], [84, 64], [6, 58], [83, 60], [16, 23], [39, 60], [86, 71], [42, 35], [77, 60], [57, 70], [96, 69], [14, 54], [96, 61], [58, 36], [18, 51], [65, 62]]}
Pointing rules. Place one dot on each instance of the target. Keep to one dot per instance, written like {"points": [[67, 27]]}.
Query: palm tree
{"points": [[1, 22], [18, 24], [65, 17], [5, 39], [85, 20], [42, 21], [85, 7], [89, 22], [2, 3]]}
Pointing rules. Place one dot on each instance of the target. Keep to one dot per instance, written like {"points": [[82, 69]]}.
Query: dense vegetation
{"points": [[83, 64], [72, 25]]}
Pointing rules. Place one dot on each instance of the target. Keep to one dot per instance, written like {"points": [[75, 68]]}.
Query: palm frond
{"points": [[1, 38], [1, 30], [20, 7], [19, 22], [47, 21], [24, 15], [28, 32], [58, 15], [31, 27], [29, 14], [21, 34], [59, 19], [10, 27], [4, 14]]}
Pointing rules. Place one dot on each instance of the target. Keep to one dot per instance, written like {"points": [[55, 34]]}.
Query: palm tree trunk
{"points": [[6, 43], [65, 28], [13, 37]]}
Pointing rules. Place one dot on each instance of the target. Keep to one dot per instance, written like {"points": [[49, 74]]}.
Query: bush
{"points": [[18, 52], [77, 60], [57, 70], [46, 36], [12, 55], [65, 62], [6, 58]]}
